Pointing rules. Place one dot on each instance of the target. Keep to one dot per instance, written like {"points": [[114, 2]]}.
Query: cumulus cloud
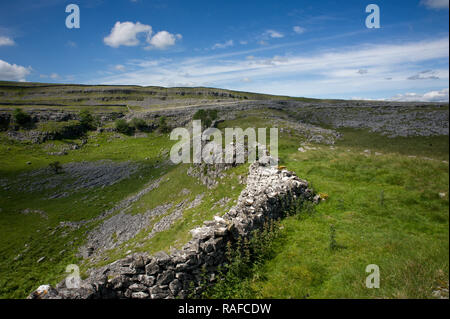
{"points": [[435, 4], [163, 40], [274, 34], [226, 44], [5, 41], [424, 75], [432, 96], [126, 33], [13, 72], [299, 30]]}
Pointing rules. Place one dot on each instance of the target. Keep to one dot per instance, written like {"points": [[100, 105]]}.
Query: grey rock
{"points": [[152, 268], [165, 277], [139, 295]]}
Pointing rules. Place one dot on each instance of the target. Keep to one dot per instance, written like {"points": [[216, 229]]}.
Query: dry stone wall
{"points": [[269, 193]]}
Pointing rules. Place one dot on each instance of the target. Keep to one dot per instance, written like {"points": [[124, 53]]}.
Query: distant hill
{"points": [[116, 97]]}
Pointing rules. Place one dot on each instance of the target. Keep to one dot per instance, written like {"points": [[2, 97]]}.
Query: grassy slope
{"points": [[386, 210], [406, 235], [20, 276], [109, 98]]}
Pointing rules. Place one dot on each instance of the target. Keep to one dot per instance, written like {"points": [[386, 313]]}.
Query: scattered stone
{"points": [[35, 211], [174, 275]]}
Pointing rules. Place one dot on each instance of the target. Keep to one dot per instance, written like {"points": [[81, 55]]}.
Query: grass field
{"points": [[384, 205], [385, 209]]}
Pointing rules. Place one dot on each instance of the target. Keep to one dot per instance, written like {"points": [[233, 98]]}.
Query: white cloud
{"points": [[243, 42], [226, 44], [163, 40], [435, 4], [119, 67], [274, 34], [54, 76], [4, 41], [71, 44], [299, 30], [432, 96], [125, 33], [13, 72]]}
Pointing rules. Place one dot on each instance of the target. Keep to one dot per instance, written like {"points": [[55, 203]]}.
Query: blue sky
{"points": [[317, 49]]}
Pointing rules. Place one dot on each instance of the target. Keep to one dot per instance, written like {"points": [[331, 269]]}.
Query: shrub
{"points": [[199, 115], [243, 259], [87, 121], [21, 118], [4, 123], [59, 130], [212, 114], [139, 124], [207, 117], [122, 126], [163, 127], [56, 167]]}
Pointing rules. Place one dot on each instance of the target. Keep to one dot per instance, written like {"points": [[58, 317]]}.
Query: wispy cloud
{"points": [[274, 34], [299, 30], [339, 70], [223, 45], [119, 67], [432, 96], [436, 4], [71, 44], [6, 41], [424, 75]]}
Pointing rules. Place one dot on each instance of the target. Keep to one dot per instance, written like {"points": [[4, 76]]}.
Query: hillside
{"points": [[94, 194]]}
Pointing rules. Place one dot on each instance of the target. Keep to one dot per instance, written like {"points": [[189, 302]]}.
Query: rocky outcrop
{"points": [[269, 193], [76, 176]]}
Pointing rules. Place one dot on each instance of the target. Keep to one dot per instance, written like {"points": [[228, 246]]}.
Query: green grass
{"points": [[435, 147], [20, 277], [385, 209]]}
